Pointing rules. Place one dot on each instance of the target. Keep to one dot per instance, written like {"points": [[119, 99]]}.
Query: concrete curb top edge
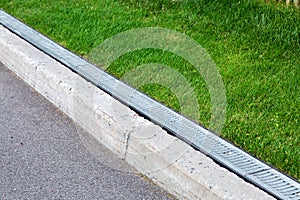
{"points": [[73, 94]]}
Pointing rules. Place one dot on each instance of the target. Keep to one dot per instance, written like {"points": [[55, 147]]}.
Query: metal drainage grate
{"points": [[240, 162], [277, 184]]}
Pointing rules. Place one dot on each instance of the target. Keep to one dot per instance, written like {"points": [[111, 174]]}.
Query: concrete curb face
{"points": [[169, 162]]}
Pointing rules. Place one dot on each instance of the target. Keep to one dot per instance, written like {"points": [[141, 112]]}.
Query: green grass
{"points": [[256, 47]]}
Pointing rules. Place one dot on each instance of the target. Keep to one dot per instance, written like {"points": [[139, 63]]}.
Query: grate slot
{"points": [[289, 190], [243, 163], [282, 186], [295, 196], [234, 158], [265, 174], [276, 182], [251, 166], [271, 179], [227, 152], [220, 148]]}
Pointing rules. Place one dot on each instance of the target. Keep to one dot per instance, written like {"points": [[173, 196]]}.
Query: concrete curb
{"points": [[169, 162]]}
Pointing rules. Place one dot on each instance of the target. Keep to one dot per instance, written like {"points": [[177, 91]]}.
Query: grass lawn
{"points": [[256, 47]]}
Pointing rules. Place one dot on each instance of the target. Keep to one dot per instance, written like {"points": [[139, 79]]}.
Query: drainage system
{"points": [[243, 164]]}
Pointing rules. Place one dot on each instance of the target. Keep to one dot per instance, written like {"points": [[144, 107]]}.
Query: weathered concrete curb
{"points": [[169, 162]]}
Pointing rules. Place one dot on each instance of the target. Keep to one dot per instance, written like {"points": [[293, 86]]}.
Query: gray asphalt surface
{"points": [[43, 156]]}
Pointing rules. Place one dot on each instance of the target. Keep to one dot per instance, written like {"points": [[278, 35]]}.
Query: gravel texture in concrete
{"points": [[42, 155]]}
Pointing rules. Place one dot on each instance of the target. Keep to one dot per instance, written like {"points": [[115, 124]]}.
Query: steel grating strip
{"points": [[195, 135], [275, 184]]}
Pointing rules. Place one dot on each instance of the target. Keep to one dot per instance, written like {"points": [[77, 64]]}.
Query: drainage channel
{"points": [[243, 164]]}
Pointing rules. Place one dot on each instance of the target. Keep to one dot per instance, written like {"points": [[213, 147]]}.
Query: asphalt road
{"points": [[43, 156]]}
